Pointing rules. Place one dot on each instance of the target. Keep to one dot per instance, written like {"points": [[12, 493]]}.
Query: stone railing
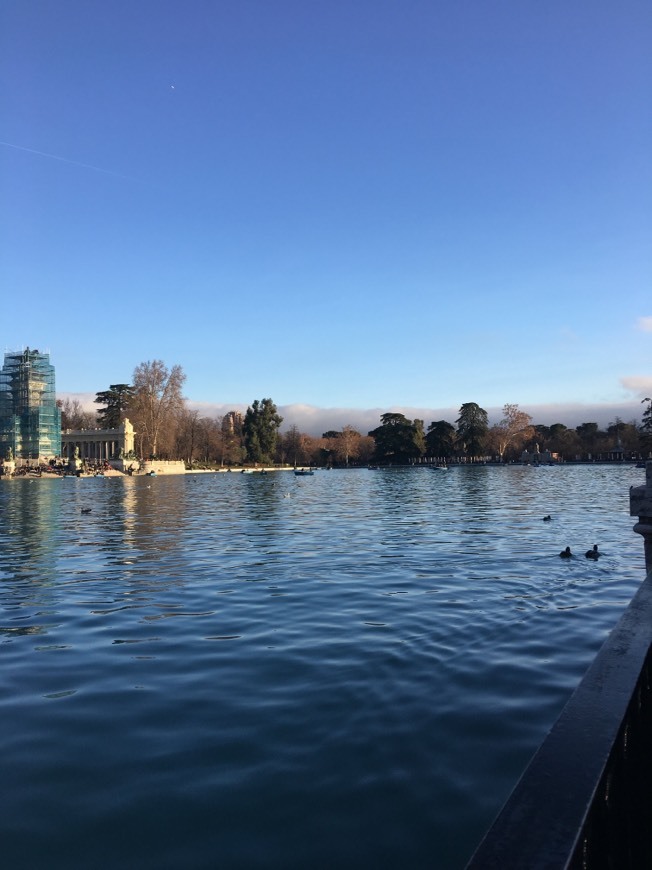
{"points": [[162, 466], [585, 800], [640, 505]]}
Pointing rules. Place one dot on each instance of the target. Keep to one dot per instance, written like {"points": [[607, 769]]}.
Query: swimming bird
{"points": [[547, 519], [566, 554], [593, 554]]}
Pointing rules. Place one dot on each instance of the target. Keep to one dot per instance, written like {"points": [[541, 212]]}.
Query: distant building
{"points": [[30, 421], [537, 457], [617, 453], [232, 423], [99, 445]]}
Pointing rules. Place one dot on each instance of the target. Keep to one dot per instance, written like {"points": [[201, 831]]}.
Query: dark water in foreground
{"points": [[343, 671]]}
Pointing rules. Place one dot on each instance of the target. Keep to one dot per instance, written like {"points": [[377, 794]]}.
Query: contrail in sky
{"points": [[66, 160]]}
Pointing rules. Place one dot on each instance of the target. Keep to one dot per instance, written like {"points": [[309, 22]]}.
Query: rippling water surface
{"points": [[348, 670]]}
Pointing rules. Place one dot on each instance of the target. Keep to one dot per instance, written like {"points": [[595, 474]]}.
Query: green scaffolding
{"points": [[30, 421]]}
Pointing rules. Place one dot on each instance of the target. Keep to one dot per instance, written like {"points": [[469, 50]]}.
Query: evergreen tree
{"points": [[472, 428], [116, 403], [589, 436], [260, 430], [562, 440], [398, 440], [646, 429], [440, 439]]}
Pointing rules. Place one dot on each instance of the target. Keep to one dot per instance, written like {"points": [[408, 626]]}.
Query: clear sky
{"points": [[347, 204]]}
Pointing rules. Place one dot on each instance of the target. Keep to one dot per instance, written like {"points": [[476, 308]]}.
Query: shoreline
{"points": [[160, 472]]}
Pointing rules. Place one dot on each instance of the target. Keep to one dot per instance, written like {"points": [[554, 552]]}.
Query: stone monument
{"points": [[75, 464], [640, 505], [9, 465]]}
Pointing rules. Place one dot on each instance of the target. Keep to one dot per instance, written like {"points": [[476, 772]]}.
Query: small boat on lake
{"points": [[303, 472]]}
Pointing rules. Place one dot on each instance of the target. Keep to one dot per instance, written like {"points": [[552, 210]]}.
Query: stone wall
{"points": [[162, 467]]}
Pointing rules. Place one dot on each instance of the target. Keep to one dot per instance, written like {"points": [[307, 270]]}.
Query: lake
{"points": [[349, 670]]}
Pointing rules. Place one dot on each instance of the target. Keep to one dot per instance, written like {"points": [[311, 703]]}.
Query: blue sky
{"points": [[343, 205]]}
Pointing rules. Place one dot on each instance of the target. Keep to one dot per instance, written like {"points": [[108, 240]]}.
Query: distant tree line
{"points": [[400, 440], [166, 428]]}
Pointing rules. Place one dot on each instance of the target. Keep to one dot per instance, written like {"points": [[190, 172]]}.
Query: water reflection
{"points": [[380, 649], [30, 527]]}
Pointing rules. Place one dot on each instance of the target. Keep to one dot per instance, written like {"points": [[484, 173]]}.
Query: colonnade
{"points": [[98, 445]]}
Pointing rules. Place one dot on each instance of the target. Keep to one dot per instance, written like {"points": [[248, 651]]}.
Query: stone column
{"points": [[640, 505]]}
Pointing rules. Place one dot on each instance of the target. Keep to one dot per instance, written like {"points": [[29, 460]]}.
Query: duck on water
{"points": [[594, 553]]}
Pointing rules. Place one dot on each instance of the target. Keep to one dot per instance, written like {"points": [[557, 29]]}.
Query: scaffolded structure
{"points": [[30, 421]]}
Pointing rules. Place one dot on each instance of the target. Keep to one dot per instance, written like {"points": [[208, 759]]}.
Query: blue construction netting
{"points": [[30, 421]]}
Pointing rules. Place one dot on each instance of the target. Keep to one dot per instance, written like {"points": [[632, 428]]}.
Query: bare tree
{"points": [[311, 449], [73, 415], [229, 439], [515, 428], [348, 444], [187, 435], [292, 445], [208, 438], [157, 402], [366, 446]]}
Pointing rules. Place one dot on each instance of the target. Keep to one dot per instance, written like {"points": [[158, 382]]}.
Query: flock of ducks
{"points": [[593, 553]]}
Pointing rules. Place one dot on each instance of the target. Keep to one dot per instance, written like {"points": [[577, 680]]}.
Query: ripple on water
{"points": [[350, 670]]}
